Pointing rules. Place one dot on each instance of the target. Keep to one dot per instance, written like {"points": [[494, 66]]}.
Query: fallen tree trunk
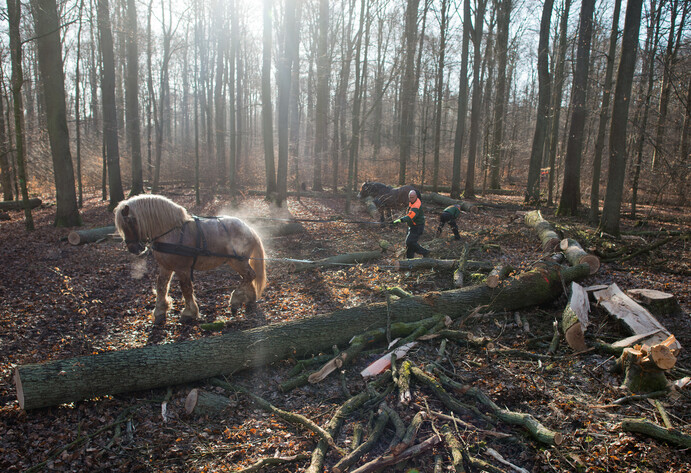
{"points": [[292, 228], [19, 204], [345, 259], [446, 201], [575, 254], [499, 273], [419, 264], [548, 237], [90, 235], [73, 379]]}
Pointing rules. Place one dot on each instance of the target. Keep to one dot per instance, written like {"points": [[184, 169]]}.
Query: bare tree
{"points": [[49, 47], [571, 192], [14, 19], [439, 91], [267, 111], [611, 210], [132, 99], [604, 115], [284, 79], [532, 193], [503, 21], [408, 91], [462, 105]]}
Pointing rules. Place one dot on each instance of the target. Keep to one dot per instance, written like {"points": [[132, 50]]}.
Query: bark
{"points": [[549, 238], [439, 93], [408, 90], [56, 382], [90, 235], [19, 204], [575, 254], [503, 22], [284, 86], [322, 106], [5, 168]]}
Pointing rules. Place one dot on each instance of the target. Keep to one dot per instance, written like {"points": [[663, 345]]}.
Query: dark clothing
{"points": [[415, 215], [449, 215], [411, 241]]}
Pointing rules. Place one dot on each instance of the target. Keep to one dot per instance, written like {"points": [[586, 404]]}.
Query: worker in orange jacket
{"points": [[415, 218]]}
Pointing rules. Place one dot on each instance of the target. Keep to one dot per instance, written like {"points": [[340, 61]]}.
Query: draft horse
{"points": [[183, 243], [387, 199]]}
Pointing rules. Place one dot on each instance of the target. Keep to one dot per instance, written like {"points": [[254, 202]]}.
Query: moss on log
{"points": [[548, 237], [153, 366]]}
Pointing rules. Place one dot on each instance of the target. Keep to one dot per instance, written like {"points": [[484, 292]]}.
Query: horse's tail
{"points": [[258, 265]]}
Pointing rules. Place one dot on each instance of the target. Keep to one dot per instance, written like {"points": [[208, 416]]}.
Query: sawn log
{"points": [[548, 237], [19, 204], [90, 235], [153, 366]]}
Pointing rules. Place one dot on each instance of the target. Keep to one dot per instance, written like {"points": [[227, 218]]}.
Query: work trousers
{"points": [[444, 218], [411, 241]]}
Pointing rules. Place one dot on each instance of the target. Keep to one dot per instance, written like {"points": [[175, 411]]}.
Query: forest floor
{"points": [[59, 301]]}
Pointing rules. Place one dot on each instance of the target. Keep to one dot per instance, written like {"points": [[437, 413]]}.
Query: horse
{"points": [[387, 198], [182, 243]]}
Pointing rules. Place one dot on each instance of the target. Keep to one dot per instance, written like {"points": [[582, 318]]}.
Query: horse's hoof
{"points": [[159, 319], [188, 319]]}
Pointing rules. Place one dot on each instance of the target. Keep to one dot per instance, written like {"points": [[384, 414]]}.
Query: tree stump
{"points": [[644, 367], [657, 302], [203, 403]]}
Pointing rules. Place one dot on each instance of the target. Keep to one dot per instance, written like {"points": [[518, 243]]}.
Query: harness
{"points": [[200, 248]]}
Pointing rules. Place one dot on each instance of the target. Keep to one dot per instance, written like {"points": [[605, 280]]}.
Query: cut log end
{"points": [[191, 401], [575, 338], [73, 238], [592, 261], [20, 389], [550, 246]]}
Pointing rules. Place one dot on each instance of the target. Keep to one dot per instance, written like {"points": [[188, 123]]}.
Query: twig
{"points": [[271, 461], [355, 455], [638, 397], [381, 462]]}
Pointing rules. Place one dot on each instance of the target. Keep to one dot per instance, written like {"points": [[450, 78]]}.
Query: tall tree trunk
{"points": [[5, 167], [556, 100], [439, 93], [110, 121], [571, 191], [652, 41], [322, 107], [49, 47], [132, 98], [14, 20], [477, 98], [503, 22], [220, 92], [611, 210], [284, 79], [665, 89], [77, 113], [233, 112], [197, 52], [355, 119], [408, 92], [267, 112], [294, 120], [462, 105], [604, 115], [533, 186]]}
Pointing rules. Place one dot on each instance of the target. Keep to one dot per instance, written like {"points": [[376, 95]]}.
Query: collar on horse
{"points": [[200, 248]]}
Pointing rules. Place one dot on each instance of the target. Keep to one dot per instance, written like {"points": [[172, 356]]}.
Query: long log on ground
{"points": [[446, 201], [19, 204], [574, 320], [447, 190], [575, 254], [90, 235], [548, 237], [419, 264], [633, 316], [291, 228], [338, 260], [153, 366], [643, 426]]}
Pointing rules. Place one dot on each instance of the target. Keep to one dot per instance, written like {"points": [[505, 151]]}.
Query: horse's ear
{"points": [[125, 211]]}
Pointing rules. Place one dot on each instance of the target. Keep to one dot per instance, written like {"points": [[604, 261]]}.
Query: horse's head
{"points": [[128, 227], [364, 190]]}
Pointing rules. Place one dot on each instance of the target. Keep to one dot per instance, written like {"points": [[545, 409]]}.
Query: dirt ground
{"points": [[59, 301]]}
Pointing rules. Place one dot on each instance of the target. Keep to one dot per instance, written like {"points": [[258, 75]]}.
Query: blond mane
{"points": [[155, 215]]}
